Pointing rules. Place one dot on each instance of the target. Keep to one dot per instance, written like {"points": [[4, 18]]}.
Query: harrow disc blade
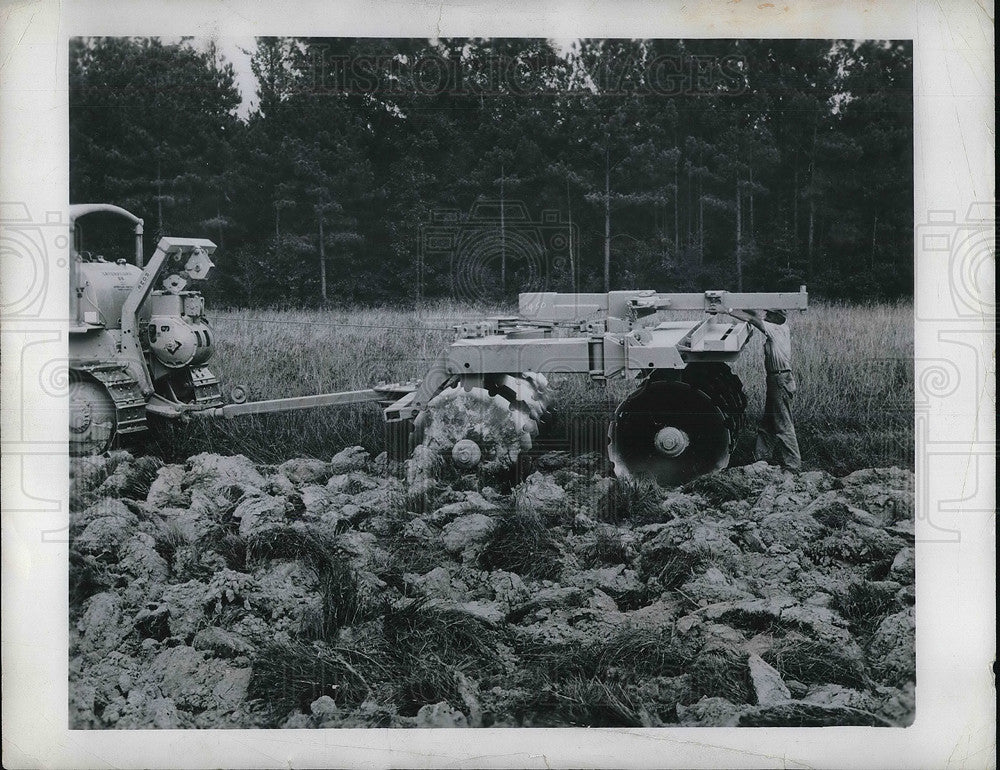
{"points": [[499, 419], [526, 394], [717, 381], [670, 432]]}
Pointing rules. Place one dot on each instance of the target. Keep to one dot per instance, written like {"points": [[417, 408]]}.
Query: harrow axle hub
{"points": [[671, 441], [466, 454]]}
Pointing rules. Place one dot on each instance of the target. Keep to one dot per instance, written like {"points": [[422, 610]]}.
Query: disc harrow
{"points": [[483, 401]]}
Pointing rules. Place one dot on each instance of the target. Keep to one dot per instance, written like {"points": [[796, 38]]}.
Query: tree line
{"points": [[375, 170]]}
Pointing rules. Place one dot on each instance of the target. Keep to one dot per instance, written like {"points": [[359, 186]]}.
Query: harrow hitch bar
{"points": [[384, 395]]}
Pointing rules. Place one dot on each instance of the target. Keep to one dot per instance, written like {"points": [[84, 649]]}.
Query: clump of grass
{"points": [[340, 601], [430, 646], [608, 548], [139, 477], [414, 555], [720, 672], [86, 577], [341, 605], [812, 661], [606, 683], [758, 621], [578, 702], [865, 605], [629, 655], [167, 538], [720, 488], [616, 674], [636, 501], [457, 636], [638, 654], [668, 565], [289, 676], [289, 542], [413, 655], [521, 543], [233, 548]]}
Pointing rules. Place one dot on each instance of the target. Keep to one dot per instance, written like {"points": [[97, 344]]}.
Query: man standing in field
{"points": [[776, 432]]}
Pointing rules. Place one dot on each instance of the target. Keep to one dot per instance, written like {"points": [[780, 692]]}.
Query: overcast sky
{"points": [[237, 51]]}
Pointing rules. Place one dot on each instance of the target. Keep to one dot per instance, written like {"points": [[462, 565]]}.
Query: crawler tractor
{"points": [[138, 336], [140, 341]]}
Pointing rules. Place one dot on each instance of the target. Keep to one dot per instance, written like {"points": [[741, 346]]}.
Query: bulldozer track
{"points": [[207, 390], [124, 392]]}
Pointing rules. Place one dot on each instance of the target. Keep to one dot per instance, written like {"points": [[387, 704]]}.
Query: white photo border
{"points": [[955, 317]]}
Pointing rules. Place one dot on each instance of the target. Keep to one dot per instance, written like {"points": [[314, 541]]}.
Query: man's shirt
{"points": [[777, 347]]}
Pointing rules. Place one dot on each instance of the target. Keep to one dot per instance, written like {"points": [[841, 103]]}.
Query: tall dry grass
{"points": [[854, 369], [853, 363]]}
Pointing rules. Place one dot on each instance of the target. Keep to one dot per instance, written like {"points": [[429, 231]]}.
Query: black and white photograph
{"points": [[635, 314], [548, 380]]}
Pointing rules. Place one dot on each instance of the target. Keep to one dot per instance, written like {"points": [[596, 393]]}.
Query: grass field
{"points": [[853, 409]]}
